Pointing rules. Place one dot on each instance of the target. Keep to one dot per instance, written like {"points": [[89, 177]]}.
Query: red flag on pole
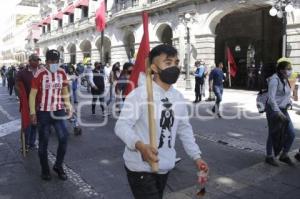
{"points": [[100, 17], [232, 67], [140, 63], [24, 106]]}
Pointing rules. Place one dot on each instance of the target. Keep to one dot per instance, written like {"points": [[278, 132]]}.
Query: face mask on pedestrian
{"points": [[288, 73], [169, 75], [53, 67]]}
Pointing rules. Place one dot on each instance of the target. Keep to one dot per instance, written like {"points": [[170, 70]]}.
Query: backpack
{"points": [[262, 100], [262, 97]]}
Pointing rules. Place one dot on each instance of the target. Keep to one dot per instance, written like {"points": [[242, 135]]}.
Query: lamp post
{"points": [[280, 9], [187, 20]]}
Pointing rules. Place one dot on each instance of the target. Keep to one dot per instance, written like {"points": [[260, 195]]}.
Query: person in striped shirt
{"points": [[50, 105]]}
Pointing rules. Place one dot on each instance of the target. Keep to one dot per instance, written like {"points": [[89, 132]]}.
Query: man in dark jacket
{"points": [[96, 80], [216, 79]]}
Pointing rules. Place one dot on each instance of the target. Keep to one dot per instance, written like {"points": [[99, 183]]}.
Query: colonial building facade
{"points": [[20, 33], [209, 26]]}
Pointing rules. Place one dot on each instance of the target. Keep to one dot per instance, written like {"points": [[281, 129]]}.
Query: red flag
{"points": [[233, 67], [140, 62], [24, 106], [100, 17]]}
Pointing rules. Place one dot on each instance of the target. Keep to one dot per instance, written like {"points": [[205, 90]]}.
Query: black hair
{"points": [[282, 66], [167, 49], [127, 65]]}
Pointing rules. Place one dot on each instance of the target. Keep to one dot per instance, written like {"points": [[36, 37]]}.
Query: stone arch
{"points": [[72, 52], [61, 50], [245, 30], [86, 48], [129, 43], [220, 10], [106, 49], [165, 34]]}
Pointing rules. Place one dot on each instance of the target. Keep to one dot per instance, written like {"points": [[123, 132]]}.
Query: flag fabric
{"points": [[140, 62], [24, 106], [233, 67], [100, 17]]}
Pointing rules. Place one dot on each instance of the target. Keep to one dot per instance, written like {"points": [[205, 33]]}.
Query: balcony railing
{"points": [[125, 6]]}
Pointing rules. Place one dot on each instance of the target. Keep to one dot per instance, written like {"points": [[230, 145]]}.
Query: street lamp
{"points": [[280, 9], [187, 20]]}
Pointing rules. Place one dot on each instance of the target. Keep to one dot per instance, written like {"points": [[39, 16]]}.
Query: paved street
{"points": [[233, 148]]}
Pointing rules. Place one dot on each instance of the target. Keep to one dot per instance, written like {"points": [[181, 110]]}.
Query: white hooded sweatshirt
{"points": [[172, 119]]}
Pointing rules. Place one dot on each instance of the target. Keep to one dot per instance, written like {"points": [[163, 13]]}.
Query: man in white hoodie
{"points": [[171, 116]]}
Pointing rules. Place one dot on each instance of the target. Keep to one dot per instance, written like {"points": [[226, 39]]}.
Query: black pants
{"points": [[199, 83], [101, 99], [11, 85], [147, 185]]}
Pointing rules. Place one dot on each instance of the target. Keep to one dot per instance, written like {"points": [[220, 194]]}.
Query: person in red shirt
{"points": [[25, 77], [49, 102]]}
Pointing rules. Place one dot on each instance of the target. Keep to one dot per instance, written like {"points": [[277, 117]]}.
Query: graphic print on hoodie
{"points": [[166, 123]]}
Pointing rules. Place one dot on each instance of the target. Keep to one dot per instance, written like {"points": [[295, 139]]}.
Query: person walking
{"points": [[171, 120], [25, 77], [3, 75], [96, 80], [88, 70], [50, 105], [279, 101], [11, 78], [123, 80], [216, 79], [113, 79], [73, 80], [200, 75]]}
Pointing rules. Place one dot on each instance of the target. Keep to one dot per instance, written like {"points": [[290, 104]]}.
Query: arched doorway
{"points": [[165, 34], [86, 48], [129, 42], [106, 49], [254, 38], [72, 52], [61, 50]]}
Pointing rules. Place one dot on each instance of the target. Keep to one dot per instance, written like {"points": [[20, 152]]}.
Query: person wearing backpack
{"points": [[200, 74], [279, 100]]}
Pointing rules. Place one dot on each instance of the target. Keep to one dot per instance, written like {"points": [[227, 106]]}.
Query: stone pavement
{"points": [[234, 149], [258, 181]]}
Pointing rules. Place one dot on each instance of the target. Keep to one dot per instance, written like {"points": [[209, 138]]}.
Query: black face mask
{"points": [[169, 75]]}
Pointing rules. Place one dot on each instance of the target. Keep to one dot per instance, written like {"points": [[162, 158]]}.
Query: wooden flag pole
{"points": [[23, 143], [229, 75], [152, 125]]}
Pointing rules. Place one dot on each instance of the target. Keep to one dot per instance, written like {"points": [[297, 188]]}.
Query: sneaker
{"points": [[286, 159], [104, 114], [46, 176], [60, 172], [297, 156], [77, 131], [177, 161], [33, 147], [271, 161], [213, 109], [219, 115]]}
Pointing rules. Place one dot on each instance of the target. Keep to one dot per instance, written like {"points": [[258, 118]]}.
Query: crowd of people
{"points": [[52, 93]]}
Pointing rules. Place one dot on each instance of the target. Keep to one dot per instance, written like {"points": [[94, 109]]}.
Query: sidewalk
{"points": [[259, 181]]}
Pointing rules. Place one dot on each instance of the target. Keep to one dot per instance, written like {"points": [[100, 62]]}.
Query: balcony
{"points": [[135, 6], [82, 24]]}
